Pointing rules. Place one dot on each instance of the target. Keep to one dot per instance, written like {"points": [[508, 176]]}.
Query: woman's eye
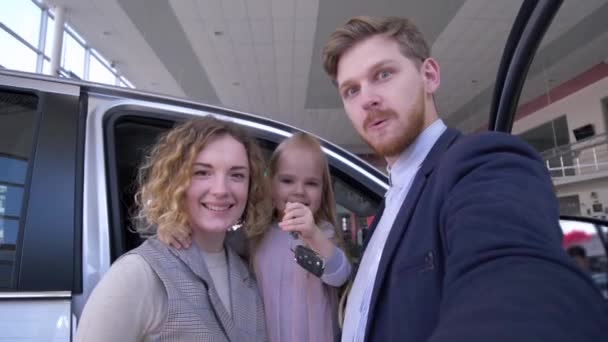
{"points": [[201, 173], [384, 74], [239, 176], [286, 181], [313, 184]]}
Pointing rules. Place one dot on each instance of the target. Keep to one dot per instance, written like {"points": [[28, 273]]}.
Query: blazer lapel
{"points": [[193, 258], [405, 213], [243, 298]]}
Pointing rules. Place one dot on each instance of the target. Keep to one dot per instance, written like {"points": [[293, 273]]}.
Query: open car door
{"points": [[585, 239]]}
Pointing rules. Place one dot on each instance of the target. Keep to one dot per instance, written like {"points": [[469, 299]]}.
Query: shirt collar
{"points": [[411, 158]]}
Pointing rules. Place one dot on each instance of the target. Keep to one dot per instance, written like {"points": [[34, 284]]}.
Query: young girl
{"points": [[300, 306]]}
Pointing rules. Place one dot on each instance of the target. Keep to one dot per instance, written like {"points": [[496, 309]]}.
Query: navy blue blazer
{"points": [[475, 253]]}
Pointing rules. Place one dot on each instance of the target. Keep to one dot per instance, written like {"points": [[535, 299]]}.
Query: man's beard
{"points": [[413, 128]]}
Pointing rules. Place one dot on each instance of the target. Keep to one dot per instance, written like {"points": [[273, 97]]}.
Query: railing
{"points": [[580, 158]]}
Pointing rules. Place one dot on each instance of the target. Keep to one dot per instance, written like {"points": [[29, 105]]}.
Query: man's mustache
{"points": [[377, 115]]}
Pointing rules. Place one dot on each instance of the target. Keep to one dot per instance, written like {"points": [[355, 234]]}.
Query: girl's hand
{"points": [[299, 218], [175, 239]]}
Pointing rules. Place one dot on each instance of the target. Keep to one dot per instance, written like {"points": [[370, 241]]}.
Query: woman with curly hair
{"points": [[202, 177]]}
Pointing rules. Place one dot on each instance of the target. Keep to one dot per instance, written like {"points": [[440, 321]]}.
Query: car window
{"points": [[17, 124], [355, 209], [585, 243], [132, 136]]}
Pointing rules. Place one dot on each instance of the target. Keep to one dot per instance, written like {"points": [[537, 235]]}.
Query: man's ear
{"points": [[431, 75]]}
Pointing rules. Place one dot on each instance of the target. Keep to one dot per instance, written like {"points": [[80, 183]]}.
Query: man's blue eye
{"points": [[384, 74], [350, 92]]}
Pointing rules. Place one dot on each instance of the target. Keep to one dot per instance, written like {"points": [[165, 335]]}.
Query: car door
{"points": [[39, 187], [515, 91]]}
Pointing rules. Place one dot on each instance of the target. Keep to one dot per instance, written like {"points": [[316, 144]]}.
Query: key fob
{"points": [[309, 260]]}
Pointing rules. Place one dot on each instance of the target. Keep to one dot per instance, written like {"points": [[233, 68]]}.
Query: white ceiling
{"points": [[262, 56]]}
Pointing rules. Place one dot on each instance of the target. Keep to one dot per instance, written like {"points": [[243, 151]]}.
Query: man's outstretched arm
{"points": [[507, 278]]}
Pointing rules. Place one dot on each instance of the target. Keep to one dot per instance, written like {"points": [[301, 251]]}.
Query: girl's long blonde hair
{"points": [[165, 175]]}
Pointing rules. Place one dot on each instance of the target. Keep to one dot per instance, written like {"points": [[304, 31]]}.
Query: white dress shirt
{"points": [[401, 175]]}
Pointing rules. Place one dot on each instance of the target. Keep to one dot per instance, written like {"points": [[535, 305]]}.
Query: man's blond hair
{"points": [[403, 31]]}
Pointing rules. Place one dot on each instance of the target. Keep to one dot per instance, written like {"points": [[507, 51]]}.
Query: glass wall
{"points": [[26, 40], [547, 139], [549, 135]]}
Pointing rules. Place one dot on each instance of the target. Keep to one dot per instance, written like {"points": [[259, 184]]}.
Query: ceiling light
{"points": [[218, 33], [236, 84]]}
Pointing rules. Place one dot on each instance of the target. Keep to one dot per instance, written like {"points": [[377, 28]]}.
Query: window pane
{"points": [[50, 35], [8, 242], [586, 248], [73, 60], [17, 121], [100, 73], [16, 55], [23, 17], [355, 211], [10, 199], [12, 170], [46, 67]]}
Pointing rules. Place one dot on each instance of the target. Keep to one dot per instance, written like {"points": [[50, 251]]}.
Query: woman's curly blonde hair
{"points": [[165, 175]]}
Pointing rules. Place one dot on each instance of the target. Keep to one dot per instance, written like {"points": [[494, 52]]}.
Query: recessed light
{"points": [[474, 81], [218, 33], [236, 84], [106, 33]]}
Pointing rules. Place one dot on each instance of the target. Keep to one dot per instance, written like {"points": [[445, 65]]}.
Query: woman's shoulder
{"points": [[131, 271], [130, 298], [131, 262]]}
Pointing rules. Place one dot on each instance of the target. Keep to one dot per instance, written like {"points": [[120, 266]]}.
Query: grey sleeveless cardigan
{"points": [[195, 310]]}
